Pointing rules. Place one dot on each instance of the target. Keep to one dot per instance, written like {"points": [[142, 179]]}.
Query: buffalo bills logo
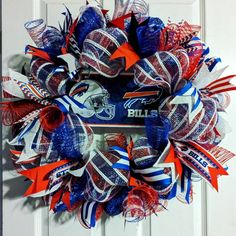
{"points": [[80, 89], [144, 96]]}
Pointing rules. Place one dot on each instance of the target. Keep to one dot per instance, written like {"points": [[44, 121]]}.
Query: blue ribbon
{"points": [[148, 36], [26, 130], [119, 164], [157, 130], [183, 90], [171, 194], [214, 63], [89, 219], [65, 103], [89, 21], [187, 173]]}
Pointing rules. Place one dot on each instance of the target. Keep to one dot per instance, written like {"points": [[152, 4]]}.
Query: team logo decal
{"points": [[94, 98], [143, 97]]}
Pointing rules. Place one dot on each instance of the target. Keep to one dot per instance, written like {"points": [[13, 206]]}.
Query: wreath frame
{"points": [[137, 189]]}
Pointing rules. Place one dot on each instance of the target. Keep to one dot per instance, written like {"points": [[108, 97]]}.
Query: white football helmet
{"points": [[94, 98]]}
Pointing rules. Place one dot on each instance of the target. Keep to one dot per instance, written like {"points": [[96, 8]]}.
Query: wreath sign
{"points": [[131, 70]]}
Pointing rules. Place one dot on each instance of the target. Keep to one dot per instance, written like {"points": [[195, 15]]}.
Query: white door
{"points": [[211, 214]]}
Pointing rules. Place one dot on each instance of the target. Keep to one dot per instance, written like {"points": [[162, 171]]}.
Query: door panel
{"points": [[220, 35], [66, 224], [175, 10], [15, 214], [14, 36], [54, 10]]}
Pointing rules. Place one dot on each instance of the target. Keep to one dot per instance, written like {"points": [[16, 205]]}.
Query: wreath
{"points": [[131, 70]]}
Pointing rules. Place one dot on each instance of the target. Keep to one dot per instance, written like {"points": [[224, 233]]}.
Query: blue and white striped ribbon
{"points": [[123, 163], [154, 176], [28, 134], [181, 188], [88, 213], [189, 95], [67, 103], [73, 75], [72, 65], [212, 62], [186, 184]]}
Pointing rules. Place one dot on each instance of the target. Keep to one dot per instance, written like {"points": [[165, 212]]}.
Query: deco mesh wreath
{"points": [[131, 70]]}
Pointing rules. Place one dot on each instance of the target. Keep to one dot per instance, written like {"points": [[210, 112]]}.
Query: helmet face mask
{"points": [[109, 113], [99, 104], [95, 99]]}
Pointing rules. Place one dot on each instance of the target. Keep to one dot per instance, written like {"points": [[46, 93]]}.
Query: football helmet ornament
{"points": [[94, 98]]}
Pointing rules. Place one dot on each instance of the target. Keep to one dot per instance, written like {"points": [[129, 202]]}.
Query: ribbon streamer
{"points": [[201, 161]]}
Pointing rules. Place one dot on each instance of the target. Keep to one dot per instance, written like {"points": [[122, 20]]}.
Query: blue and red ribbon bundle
{"points": [[127, 70]]}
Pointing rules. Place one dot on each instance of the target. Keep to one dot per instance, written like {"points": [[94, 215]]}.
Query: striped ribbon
{"points": [[101, 158], [98, 48], [221, 85], [156, 174], [73, 46], [155, 70], [27, 134], [212, 62], [87, 214], [57, 175], [184, 189], [124, 7], [196, 45], [34, 93], [190, 96], [67, 103], [71, 62], [23, 87], [104, 180], [123, 163], [40, 179], [201, 161], [181, 188]]}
